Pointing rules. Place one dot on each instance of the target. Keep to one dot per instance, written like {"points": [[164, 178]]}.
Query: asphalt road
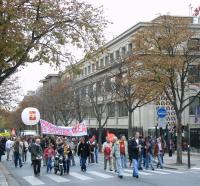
{"points": [[95, 175]]}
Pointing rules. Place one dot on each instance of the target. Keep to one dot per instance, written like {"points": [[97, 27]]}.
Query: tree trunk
{"points": [[179, 140], [130, 128], [100, 132]]}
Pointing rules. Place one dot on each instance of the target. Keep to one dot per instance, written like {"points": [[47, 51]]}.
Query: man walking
{"points": [[135, 147], [17, 147], [83, 152], [9, 145], [116, 156], [36, 155]]}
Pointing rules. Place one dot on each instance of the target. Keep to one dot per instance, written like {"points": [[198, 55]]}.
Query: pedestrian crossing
{"points": [[93, 175]]}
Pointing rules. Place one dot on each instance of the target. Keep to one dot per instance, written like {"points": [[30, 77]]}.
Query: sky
{"points": [[123, 15]]}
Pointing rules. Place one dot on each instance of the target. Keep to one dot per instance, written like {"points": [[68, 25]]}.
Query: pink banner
{"points": [[79, 129]]}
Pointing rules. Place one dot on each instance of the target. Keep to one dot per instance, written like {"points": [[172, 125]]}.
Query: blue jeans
{"points": [[135, 167], [49, 164], [123, 160], [83, 163], [140, 161], [17, 157], [96, 153], [119, 166], [160, 160], [149, 161]]}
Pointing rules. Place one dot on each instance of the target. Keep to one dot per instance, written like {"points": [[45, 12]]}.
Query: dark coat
{"points": [[83, 150], [133, 149], [2, 149], [36, 152]]}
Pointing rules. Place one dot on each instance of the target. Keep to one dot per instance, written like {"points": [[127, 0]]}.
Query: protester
{"points": [[107, 149], [72, 146], [83, 152], [9, 144], [49, 154], [17, 148], [158, 152], [67, 157], [148, 153], [116, 156], [135, 148], [36, 154], [24, 150], [123, 151], [2, 148]]}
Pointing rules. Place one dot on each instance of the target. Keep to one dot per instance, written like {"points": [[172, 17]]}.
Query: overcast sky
{"points": [[123, 14]]}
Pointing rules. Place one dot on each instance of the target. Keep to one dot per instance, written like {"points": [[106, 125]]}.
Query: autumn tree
{"points": [[129, 87], [42, 30], [167, 49], [9, 93]]}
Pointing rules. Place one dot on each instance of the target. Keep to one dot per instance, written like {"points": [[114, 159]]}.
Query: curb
{"points": [[3, 179]]}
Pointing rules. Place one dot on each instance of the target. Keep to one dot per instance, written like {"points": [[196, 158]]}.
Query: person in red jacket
{"points": [[49, 154]]}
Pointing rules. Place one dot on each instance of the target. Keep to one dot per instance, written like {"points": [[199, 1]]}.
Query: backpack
{"points": [[107, 150], [122, 147]]}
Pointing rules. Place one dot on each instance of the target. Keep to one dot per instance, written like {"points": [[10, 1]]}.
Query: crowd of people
{"points": [[140, 152]]}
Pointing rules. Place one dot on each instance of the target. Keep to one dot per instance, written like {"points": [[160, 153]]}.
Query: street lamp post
{"points": [[188, 146]]}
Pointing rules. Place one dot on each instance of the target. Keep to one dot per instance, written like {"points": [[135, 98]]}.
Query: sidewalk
{"points": [[170, 162], [3, 181]]}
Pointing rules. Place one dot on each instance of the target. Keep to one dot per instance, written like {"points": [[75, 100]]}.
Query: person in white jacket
{"points": [[9, 144]]}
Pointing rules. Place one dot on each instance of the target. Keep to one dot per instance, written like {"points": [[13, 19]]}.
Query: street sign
{"points": [[161, 112]]}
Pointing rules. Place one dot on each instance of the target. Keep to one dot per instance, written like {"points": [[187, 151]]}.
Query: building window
{"points": [[117, 55], [89, 69], [106, 60], [123, 51], [108, 84], [193, 106], [111, 109], [93, 67], [111, 58], [194, 74], [122, 109], [101, 62], [85, 70], [130, 48], [194, 44]]}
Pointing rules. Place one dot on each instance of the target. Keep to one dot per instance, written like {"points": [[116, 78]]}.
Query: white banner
{"points": [[79, 129]]}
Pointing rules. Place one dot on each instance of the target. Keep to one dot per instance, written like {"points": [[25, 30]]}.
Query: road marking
{"points": [[195, 168], [57, 178], [156, 172], [124, 174], [170, 171], [79, 176], [33, 180], [140, 172], [99, 174]]}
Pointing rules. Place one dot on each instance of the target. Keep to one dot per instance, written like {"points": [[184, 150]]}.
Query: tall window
{"points": [[193, 106], [89, 69], [117, 55], [111, 109], [111, 58], [108, 84], [101, 62], [93, 67], [122, 109], [194, 74], [123, 51]]}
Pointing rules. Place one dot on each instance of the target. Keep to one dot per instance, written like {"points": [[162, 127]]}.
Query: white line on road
{"points": [[57, 178], [195, 168], [102, 175], [156, 172], [79, 176], [124, 174], [140, 172], [33, 180], [171, 171]]}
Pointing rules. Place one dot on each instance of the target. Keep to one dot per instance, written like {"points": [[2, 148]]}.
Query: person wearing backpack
{"points": [[107, 149], [123, 151], [17, 148]]}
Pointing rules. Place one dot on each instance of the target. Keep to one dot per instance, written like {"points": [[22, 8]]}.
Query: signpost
{"points": [[162, 113]]}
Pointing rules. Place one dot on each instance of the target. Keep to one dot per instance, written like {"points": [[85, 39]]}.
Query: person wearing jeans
{"points": [[116, 156], [83, 152], [134, 153], [158, 152], [17, 147]]}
